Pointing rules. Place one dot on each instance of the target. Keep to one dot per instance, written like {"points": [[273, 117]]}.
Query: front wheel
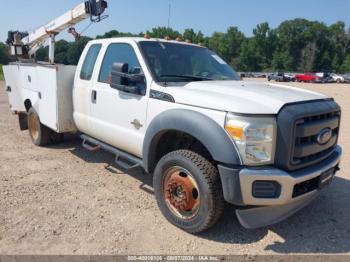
{"points": [[188, 191]]}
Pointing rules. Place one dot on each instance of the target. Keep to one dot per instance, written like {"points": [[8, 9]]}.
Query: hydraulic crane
{"points": [[26, 44]]}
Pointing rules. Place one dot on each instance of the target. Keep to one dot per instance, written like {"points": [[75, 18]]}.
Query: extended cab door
{"points": [[118, 118], [83, 83]]}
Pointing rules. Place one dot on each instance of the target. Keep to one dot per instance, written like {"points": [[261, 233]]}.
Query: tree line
{"points": [[295, 45]]}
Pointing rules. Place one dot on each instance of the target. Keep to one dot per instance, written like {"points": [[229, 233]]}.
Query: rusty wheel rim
{"points": [[181, 193], [33, 126]]}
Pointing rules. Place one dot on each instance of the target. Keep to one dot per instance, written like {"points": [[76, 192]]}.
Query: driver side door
{"points": [[118, 118]]}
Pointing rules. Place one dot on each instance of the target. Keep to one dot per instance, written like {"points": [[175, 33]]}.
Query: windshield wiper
{"points": [[189, 77]]}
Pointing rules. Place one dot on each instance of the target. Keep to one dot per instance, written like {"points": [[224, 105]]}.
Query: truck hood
{"points": [[240, 96]]}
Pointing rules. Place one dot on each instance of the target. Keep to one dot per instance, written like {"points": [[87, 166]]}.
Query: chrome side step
{"points": [[122, 159]]}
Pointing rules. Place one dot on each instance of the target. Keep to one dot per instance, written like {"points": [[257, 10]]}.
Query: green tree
{"points": [[218, 43], [5, 57], [115, 33], [308, 57], [74, 51], [235, 39], [281, 61], [61, 49], [248, 58], [162, 32], [1, 73], [265, 42], [228, 45], [345, 67], [195, 37], [42, 54], [292, 40], [340, 43]]}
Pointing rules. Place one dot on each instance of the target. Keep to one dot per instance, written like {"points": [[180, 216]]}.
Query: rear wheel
{"points": [[56, 138], [188, 191], [39, 133]]}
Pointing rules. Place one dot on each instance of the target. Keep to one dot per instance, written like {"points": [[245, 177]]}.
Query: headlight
{"points": [[255, 138]]}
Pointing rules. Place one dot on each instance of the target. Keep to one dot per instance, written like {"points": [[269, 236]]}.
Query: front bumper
{"points": [[238, 190]]}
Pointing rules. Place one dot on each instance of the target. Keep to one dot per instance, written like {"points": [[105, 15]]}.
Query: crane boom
{"points": [[24, 44]]}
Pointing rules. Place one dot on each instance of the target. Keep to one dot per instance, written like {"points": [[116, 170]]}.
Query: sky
{"points": [[137, 16]]}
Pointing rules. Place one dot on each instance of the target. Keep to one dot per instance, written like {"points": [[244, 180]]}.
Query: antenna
{"points": [[169, 15]]}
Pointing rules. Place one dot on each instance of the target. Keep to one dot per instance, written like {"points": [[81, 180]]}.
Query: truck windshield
{"points": [[172, 62]]}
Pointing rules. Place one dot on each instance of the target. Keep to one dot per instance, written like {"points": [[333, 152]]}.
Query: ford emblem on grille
{"points": [[324, 136]]}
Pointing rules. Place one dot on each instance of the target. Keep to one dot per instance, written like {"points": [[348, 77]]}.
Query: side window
{"points": [[89, 63], [119, 53]]}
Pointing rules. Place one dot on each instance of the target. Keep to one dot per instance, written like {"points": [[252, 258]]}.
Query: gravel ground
{"points": [[65, 200]]}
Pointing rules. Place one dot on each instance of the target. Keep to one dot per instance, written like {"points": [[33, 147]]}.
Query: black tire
{"points": [[39, 133], [206, 176]]}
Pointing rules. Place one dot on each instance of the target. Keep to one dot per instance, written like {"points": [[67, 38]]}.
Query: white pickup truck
{"points": [[178, 111]]}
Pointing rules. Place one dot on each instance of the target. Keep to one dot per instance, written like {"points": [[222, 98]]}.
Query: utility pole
{"points": [[169, 15]]}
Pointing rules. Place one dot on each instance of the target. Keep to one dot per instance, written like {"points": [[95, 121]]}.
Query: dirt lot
{"points": [[65, 200]]}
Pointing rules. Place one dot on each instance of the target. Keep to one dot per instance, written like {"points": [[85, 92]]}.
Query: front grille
{"points": [[307, 129], [299, 126]]}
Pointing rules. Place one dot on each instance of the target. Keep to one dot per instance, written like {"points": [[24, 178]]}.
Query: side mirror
{"points": [[121, 80]]}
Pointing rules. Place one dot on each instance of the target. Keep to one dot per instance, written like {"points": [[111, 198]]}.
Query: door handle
{"points": [[94, 96], [8, 89]]}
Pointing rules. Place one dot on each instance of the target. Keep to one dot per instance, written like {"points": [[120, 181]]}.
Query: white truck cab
{"points": [[179, 112]]}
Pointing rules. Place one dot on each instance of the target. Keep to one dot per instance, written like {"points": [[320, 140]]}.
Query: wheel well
{"points": [[176, 140], [27, 104]]}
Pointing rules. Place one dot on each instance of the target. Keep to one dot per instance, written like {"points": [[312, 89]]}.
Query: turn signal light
{"points": [[236, 132]]}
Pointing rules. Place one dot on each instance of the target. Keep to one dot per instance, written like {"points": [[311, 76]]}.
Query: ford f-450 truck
{"points": [[181, 113]]}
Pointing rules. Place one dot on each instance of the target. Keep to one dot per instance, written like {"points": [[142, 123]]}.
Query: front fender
{"points": [[198, 125]]}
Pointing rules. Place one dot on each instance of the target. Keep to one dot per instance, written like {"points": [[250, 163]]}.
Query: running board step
{"points": [[125, 163], [122, 159], [91, 148]]}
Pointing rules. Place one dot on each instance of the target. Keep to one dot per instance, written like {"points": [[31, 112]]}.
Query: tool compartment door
{"points": [[12, 85]]}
